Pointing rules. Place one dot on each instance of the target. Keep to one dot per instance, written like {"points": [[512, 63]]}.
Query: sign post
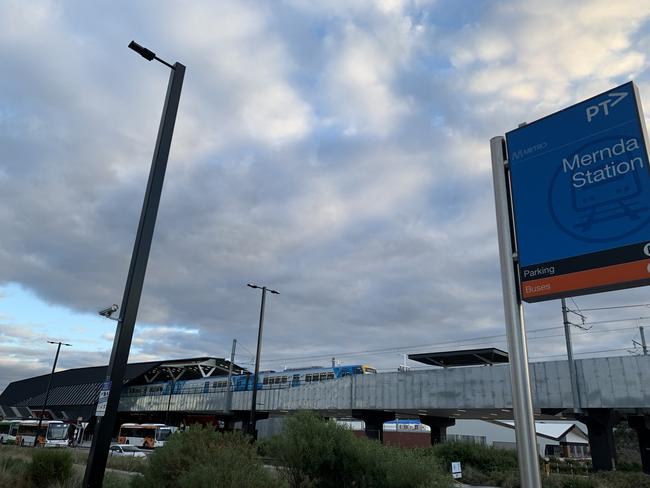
{"points": [[522, 400], [456, 471], [104, 391], [572, 198]]}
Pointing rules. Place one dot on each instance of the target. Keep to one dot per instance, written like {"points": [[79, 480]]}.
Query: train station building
{"points": [[74, 392]]}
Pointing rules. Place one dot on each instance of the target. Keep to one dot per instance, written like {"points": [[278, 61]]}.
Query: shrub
{"points": [[201, 457], [618, 479], [14, 472], [50, 466], [322, 454], [483, 458]]}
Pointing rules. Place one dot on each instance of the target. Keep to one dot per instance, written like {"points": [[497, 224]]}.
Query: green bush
{"points": [[14, 472], [482, 458], [316, 453], [203, 458], [618, 479], [50, 466]]}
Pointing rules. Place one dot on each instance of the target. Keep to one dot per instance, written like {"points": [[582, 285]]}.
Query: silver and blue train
{"points": [[244, 382]]}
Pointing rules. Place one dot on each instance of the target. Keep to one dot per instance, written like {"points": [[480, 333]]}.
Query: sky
{"points": [[335, 151]]}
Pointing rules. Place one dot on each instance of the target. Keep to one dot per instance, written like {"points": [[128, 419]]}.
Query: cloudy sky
{"points": [[336, 151]]}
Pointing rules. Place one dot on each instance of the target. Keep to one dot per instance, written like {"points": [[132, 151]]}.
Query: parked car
{"points": [[126, 450]]}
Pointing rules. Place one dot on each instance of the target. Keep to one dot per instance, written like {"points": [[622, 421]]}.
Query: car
{"points": [[128, 450]]}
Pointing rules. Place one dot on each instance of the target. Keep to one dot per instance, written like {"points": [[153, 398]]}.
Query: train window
{"points": [[358, 370], [307, 377], [266, 381], [284, 379], [330, 376], [323, 376]]}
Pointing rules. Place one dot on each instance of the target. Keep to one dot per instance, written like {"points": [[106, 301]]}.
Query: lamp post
{"points": [[251, 424], [133, 289], [49, 385]]}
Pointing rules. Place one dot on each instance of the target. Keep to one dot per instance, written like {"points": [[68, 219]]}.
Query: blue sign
{"points": [[580, 184], [104, 391]]}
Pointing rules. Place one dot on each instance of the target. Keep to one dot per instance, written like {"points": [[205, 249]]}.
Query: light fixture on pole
{"points": [[251, 423], [49, 385], [97, 457]]}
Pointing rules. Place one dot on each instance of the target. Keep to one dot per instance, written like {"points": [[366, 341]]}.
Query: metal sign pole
{"points": [[96, 464], [522, 401]]}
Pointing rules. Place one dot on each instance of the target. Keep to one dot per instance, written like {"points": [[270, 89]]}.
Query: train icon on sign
{"points": [[603, 185]]}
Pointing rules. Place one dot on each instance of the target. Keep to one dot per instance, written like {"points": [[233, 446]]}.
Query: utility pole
{"points": [[643, 343], [229, 391], [572, 365], [49, 385]]}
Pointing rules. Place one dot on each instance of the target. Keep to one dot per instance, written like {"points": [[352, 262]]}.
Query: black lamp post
{"points": [[49, 385], [133, 289], [251, 424]]}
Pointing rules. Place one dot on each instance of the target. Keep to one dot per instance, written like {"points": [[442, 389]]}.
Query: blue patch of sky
{"points": [[20, 306]]}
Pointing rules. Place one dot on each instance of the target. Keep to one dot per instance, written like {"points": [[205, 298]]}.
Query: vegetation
{"points": [[47, 468], [312, 452], [203, 458], [50, 466]]}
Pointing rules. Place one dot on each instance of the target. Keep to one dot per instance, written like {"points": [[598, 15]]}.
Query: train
{"points": [[287, 378]]}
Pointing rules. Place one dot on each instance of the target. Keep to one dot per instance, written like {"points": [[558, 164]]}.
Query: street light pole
{"points": [[49, 385], [251, 424], [96, 465]]}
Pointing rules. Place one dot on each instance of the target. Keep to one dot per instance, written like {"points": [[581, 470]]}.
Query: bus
{"points": [[54, 433], [146, 436], [8, 429]]}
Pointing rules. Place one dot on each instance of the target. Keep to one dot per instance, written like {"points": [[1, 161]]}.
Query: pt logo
{"points": [[612, 100], [597, 192]]}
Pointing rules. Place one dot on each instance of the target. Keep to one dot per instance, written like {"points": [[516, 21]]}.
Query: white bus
{"points": [[8, 429], [54, 433], [146, 436]]}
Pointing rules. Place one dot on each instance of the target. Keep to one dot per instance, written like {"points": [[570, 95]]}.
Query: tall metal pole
{"points": [[522, 401], [252, 421], [572, 365], [96, 464], [643, 343], [229, 390], [49, 385]]}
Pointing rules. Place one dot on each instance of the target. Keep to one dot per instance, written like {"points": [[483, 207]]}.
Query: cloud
{"points": [[336, 151]]}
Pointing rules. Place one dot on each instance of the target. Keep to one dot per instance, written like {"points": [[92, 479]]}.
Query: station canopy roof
{"points": [[466, 357], [74, 391]]}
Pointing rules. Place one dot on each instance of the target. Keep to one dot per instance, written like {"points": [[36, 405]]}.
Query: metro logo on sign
{"points": [[580, 182]]}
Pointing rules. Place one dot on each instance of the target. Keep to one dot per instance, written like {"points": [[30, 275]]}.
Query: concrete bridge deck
{"points": [[621, 383]]}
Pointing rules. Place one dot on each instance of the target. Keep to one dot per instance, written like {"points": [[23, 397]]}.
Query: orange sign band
{"points": [[582, 280]]}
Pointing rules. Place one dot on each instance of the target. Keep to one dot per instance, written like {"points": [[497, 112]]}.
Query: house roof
{"points": [[550, 430]]}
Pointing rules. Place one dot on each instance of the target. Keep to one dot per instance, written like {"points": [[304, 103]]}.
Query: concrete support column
{"points": [[641, 424], [600, 423], [438, 426], [374, 420]]}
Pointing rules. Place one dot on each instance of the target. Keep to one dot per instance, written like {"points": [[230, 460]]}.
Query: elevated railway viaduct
{"points": [[610, 389]]}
